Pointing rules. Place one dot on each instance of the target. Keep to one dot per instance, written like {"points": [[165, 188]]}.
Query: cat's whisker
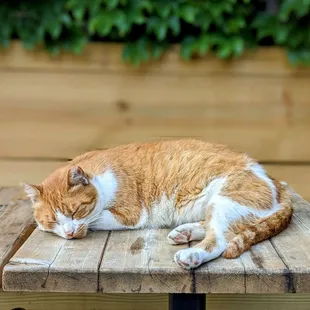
{"points": [[93, 219]]}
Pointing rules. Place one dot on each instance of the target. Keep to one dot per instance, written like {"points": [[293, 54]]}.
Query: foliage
{"points": [[148, 27]]}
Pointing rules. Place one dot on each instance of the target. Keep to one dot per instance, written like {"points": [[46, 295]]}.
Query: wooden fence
{"points": [[52, 109]]}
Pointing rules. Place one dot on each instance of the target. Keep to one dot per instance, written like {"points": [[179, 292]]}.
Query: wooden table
{"points": [[141, 261]]}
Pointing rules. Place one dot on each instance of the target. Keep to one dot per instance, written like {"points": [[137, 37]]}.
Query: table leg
{"points": [[187, 301]]}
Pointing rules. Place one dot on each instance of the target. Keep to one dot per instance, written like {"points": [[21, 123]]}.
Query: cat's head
{"points": [[63, 202]]}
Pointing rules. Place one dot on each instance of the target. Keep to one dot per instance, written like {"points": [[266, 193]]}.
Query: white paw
{"points": [[179, 236], [190, 258], [186, 232]]}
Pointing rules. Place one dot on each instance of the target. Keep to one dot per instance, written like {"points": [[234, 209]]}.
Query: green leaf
{"points": [[126, 52], [65, 19], [161, 31], [157, 51], [301, 56], [203, 45], [112, 4], [187, 47], [53, 49], [238, 46], [120, 21], [188, 12], [281, 34], [78, 13], [174, 24], [163, 9], [224, 51], [55, 29]]}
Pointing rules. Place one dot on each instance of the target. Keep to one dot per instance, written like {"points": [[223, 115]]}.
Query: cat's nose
{"points": [[69, 234]]}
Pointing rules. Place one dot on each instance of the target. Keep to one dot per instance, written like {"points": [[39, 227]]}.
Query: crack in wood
{"points": [[287, 273], [49, 266], [99, 289]]}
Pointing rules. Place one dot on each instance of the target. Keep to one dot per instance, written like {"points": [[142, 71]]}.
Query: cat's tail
{"points": [[264, 228]]}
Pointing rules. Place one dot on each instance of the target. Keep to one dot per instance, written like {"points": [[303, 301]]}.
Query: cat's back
{"points": [[181, 155]]}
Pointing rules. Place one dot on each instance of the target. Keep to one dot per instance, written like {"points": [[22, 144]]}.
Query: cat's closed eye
{"points": [[79, 211]]}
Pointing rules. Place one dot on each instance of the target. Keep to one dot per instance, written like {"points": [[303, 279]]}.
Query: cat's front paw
{"points": [[190, 258], [179, 237]]}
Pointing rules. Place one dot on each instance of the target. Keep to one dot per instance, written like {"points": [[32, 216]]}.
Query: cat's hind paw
{"points": [[190, 258]]}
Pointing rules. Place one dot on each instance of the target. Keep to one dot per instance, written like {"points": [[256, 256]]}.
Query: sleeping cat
{"points": [[204, 191]]}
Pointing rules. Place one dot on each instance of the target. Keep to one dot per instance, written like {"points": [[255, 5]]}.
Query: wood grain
{"points": [[258, 301], [266, 117], [16, 223], [258, 270], [17, 171], [56, 264], [98, 57], [65, 301], [80, 301], [292, 246], [141, 262]]}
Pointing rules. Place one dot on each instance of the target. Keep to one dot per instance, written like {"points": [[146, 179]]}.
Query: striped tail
{"points": [[264, 228]]}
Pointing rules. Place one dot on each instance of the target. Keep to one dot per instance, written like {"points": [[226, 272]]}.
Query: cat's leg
{"points": [[187, 232], [214, 242]]}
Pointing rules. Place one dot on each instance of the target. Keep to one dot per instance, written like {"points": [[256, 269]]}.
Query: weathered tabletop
{"points": [[16, 222], [142, 261]]}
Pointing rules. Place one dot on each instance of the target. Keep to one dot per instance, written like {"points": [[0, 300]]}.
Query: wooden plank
{"points": [[292, 246], [220, 276], [56, 264], [87, 91], [258, 301], [98, 57], [264, 270], [65, 301], [142, 262], [273, 112], [80, 301], [258, 270], [15, 223], [35, 171]]}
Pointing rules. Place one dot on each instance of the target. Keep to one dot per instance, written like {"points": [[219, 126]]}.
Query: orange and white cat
{"points": [[204, 191]]}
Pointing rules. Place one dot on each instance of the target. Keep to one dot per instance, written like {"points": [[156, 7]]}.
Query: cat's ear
{"points": [[77, 176], [32, 191]]}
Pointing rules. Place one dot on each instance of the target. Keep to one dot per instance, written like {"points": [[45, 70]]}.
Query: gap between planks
{"points": [[100, 261]]}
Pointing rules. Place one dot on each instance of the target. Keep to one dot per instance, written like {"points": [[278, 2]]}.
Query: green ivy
{"points": [[148, 27]]}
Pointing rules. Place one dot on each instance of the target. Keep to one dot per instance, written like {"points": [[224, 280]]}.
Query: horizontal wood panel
{"points": [[52, 301], [60, 115], [258, 301], [15, 172], [98, 57], [87, 92], [65, 301]]}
